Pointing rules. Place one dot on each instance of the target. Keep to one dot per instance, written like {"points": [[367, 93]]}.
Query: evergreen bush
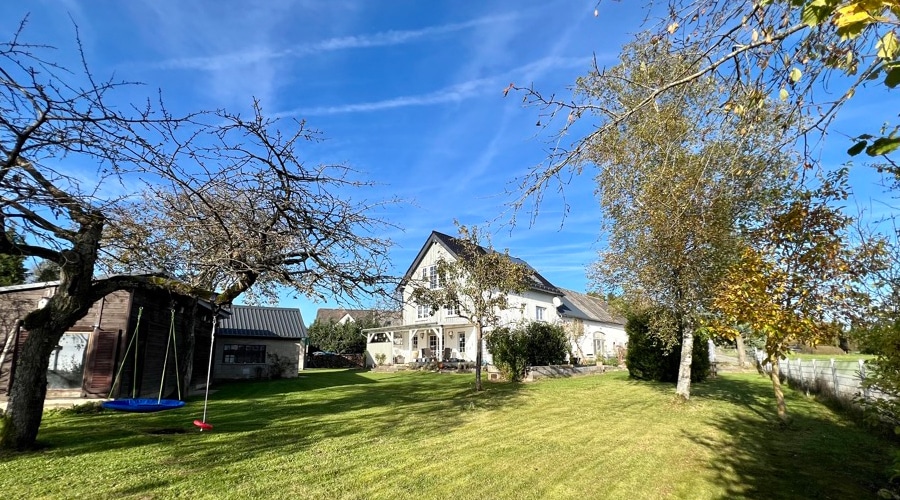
{"points": [[649, 357]]}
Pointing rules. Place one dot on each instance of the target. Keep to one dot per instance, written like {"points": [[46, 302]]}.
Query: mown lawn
{"points": [[348, 434]]}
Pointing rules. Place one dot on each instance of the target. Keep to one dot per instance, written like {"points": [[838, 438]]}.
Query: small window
{"points": [[237, 354], [423, 311], [430, 276], [415, 341], [462, 341], [539, 313], [453, 310], [432, 343]]}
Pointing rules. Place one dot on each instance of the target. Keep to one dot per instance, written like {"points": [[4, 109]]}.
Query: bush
{"points": [[532, 344], [545, 344], [509, 350], [648, 357]]}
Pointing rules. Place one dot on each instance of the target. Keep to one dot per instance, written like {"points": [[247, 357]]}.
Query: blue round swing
{"points": [[147, 405], [143, 405]]}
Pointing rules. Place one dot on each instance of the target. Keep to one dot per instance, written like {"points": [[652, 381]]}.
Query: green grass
{"points": [[347, 434]]}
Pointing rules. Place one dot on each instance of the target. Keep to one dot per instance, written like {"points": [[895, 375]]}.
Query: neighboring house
{"points": [[90, 354], [258, 342], [444, 331], [341, 316]]}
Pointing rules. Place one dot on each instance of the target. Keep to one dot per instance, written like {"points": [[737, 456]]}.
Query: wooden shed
{"points": [[90, 354]]}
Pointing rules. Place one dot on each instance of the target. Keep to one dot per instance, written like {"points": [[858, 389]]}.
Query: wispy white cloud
{"points": [[383, 39], [453, 93]]}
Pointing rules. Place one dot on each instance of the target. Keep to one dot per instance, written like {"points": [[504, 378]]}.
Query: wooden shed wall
{"points": [[111, 323]]}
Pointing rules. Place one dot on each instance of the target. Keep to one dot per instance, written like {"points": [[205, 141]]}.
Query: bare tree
{"points": [[227, 203]]}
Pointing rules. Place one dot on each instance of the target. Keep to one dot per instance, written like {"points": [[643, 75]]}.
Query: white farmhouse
{"points": [[444, 335]]}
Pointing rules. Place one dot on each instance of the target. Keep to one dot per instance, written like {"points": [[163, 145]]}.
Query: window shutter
{"points": [[101, 362]]}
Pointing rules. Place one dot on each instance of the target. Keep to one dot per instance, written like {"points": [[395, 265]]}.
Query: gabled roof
{"points": [[587, 307], [325, 314], [256, 321], [455, 247]]}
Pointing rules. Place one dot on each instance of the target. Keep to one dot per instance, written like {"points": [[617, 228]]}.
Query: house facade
{"points": [[255, 342], [448, 336]]}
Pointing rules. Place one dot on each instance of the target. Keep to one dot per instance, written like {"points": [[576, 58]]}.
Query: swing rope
{"points": [[170, 343], [136, 404], [212, 342], [122, 365]]}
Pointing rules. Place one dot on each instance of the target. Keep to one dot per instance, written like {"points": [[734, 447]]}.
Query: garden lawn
{"points": [[350, 434]]}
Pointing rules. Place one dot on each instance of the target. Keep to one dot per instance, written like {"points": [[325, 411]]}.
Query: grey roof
{"points": [[582, 306], [257, 321], [455, 247], [386, 317]]}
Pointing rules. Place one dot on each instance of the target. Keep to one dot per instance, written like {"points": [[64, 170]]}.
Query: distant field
{"points": [[350, 434], [837, 357]]}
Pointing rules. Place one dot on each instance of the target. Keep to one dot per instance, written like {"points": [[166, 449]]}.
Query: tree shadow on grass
{"points": [[265, 417], [820, 454]]}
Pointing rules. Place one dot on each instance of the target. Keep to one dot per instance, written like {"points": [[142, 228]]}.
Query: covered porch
{"points": [[420, 343]]}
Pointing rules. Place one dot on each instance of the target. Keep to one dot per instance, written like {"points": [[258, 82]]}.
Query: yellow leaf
{"points": [[795, 75], [783, 94], [672, 27], [888, 46]]}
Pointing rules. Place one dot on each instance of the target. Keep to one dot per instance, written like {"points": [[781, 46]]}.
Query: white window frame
{"points": [[453, 310], [423, 311], [462, 342], [539, 313]]}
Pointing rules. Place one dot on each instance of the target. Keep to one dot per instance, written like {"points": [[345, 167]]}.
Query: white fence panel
{"points": [[842, 378]]}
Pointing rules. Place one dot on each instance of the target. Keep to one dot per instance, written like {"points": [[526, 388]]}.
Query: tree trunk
{"points": [[187, 357], [478, 356], [741, 351], [683, 389], [73, 299], [775, 376], [29, 389], [26, 400]]}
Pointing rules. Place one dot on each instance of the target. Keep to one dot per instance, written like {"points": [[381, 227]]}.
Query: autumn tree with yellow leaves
{"points": [[797, 279]]}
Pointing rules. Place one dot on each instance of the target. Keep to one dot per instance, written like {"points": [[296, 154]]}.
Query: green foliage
{"points": [[12, 265], [509, 349], [531, 344], [45, 270], [344, 338], [545, 344], [650, 357]]}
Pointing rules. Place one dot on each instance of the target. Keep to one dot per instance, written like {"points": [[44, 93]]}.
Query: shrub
{"points": [[545, 344], [509, 350], [649, 358], [532, 344]]}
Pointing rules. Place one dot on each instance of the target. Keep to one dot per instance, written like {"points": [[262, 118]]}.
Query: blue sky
{"points": [[410, 93]]}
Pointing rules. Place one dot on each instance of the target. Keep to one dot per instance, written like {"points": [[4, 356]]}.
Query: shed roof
{"points": [[258, 321], [587, 307]]}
